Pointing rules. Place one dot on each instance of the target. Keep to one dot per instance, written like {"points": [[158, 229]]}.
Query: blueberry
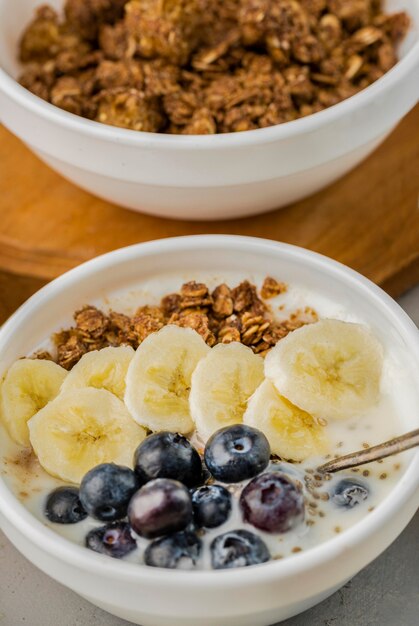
{"points": [[272, 502], [63, 506], [238, 548], [236, 453], [349, 492], [161, 507], [106, 490], [178, 551], [114, 539], [211, 505], [168, 455]]}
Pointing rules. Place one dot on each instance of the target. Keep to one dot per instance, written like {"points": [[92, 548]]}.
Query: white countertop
{"points": [[386, 593]]}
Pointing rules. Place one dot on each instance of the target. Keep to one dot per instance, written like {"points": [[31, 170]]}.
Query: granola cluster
{"points": [[223, 316], [206, 66]]}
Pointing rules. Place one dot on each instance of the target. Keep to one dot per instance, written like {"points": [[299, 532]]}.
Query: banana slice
{"points": [[159, 378], [77, 431], [221, 385], [292, 433], [103, 369], [331, 369], [28, 386]]}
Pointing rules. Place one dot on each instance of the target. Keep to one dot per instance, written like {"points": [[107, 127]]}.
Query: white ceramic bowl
{"points": [[206, 177], [255, 596]]}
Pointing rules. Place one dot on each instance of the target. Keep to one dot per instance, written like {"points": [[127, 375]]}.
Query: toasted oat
{"points": [[119, 331], [193, 295], [41, 40], [164, 29], [67, 95], [86, 16], [145, 322], [206, 66], [222, 302], [246, 299], [230, 329], [224, 316], [120, 322], [70, 348], [129, 108], [91, 322], [115, 41], [228, 334], [112, 74], [271, 288], [197, 320], [253, 328], [171, 303]]}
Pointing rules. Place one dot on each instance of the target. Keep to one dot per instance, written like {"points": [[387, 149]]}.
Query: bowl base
{"points": [[270, 618], [212, 203]]}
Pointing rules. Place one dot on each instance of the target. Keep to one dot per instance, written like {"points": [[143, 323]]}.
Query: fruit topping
{"points": [[106, 490], [292, 433], [163, 506], [331, 369], [236, 453], [63, 506], [159, 379], [178, 551], [238, 548], [78, 430], [349, 493], [168, 455], [211, 506], [222, 383], [273, 502], [114, 539], [103, 369], [28, 386]]}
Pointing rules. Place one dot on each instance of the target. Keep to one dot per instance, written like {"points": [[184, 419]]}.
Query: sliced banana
{"points": [[331, 369], [159, 378], [221, 385], [77, 431], [28, 386], [292, 433], [103, 369]]}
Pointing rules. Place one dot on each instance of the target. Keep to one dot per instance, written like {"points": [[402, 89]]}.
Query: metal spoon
{"points": [[388, 448]]}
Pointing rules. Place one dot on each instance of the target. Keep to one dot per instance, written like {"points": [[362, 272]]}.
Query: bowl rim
{"points": [[67, 551], [279, 132]]}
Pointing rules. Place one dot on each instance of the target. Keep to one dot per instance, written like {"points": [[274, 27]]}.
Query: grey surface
{"points": [[386, 593]]}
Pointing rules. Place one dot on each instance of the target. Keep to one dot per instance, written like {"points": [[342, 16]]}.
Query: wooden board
{"points": [[368, 220]]}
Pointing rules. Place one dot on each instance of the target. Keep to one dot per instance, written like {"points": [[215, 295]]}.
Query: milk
{"points": [[323, 519]]}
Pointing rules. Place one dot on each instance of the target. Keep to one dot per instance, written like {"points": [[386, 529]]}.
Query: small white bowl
{"points": [[206, 177], [255, 596]]}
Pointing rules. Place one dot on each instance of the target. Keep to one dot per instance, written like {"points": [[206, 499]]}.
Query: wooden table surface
{"points": [[369, 219]]}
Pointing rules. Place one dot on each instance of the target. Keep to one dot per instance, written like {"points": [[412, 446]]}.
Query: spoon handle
{"points": [[388, 448]]}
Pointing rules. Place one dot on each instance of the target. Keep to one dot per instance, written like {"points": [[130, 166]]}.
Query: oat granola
{"points": [[206, 66], [223, 316]]}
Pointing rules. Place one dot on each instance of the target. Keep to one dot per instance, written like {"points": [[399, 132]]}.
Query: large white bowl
{"points": [[206, 177], [255, 596]]}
